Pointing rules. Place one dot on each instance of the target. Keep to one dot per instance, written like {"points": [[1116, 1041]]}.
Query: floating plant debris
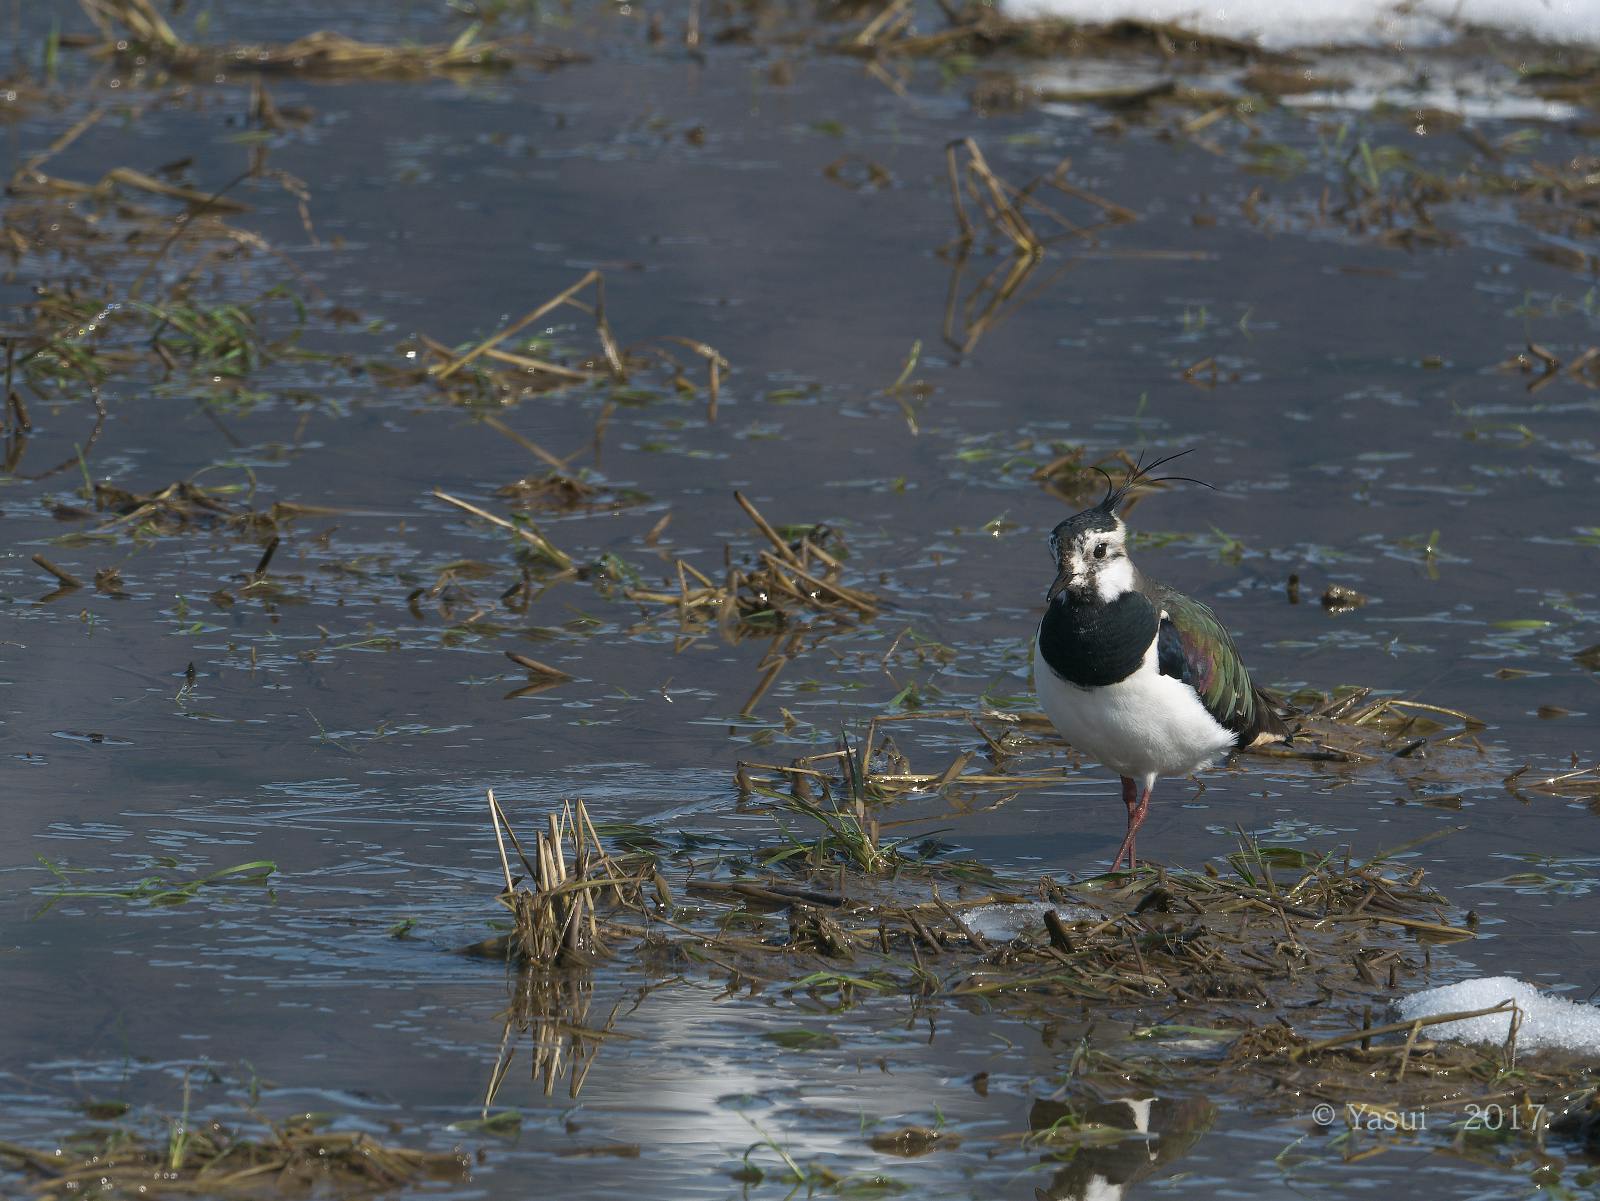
{"points": [[558, 492], [134, 27], [797, 577], [497, 370], [185, 505], [205, 1157], [541, 546]]}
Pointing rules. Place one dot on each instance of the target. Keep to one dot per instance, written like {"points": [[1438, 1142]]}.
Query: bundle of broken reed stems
{"points": [[553, 907]]}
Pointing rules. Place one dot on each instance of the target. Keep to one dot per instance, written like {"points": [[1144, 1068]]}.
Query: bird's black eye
{"points": [[1099, 550]]}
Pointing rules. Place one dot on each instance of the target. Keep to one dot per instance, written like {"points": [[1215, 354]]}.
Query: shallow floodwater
{"points": [[1356, 414]]}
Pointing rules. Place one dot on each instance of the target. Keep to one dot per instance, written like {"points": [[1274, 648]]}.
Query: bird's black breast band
{"points": [[1092, 643]]}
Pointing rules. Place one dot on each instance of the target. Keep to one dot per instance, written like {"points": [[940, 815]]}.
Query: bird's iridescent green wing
{"points": [[1193, 646]]}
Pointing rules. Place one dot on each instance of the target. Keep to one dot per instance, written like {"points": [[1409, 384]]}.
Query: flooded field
{"points": [[278, 504]]}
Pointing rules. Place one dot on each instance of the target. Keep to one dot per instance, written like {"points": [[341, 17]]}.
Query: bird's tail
{"points": [[1269, 725]]}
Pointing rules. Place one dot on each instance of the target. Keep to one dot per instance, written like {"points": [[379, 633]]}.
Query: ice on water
{"points": [[1548, 1022], [1002, 923]]}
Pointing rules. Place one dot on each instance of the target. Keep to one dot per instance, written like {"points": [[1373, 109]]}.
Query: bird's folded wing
{"points": [[1192, 646]]}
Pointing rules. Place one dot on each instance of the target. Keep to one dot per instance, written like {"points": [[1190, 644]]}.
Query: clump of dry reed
{"points": [[1022, 221], [1075, 480], [1578, 782], [1011, 210], [555, 906], [1352, 726], [1279, 928], [794, 578]]}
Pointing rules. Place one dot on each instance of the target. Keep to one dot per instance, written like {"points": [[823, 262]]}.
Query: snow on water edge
{"points": [[1548, 1022], [1277, 25]]}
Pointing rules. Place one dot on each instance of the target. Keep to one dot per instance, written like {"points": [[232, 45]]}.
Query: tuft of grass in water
{"points": [[188, 505], [851, 831], [217, 341], [505, 1124], [850, 836], [178, 1134], [1277, 159], [560, 492], [802, 1039]]}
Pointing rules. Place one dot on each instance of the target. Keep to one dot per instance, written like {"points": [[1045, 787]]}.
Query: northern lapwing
{"points": [[1133, 673]]}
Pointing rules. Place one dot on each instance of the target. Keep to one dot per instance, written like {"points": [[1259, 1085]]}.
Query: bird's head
{"points": [[1091, 549], [1091, 556]]}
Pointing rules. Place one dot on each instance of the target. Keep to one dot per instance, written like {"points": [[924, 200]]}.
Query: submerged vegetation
{"points": [[155, 890]]}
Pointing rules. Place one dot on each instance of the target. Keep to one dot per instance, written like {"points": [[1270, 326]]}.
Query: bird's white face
{"points": [[1093, 562]]}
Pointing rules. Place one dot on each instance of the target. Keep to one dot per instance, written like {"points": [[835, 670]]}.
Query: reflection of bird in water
{"points": [[1134, 673], [1103, 1173]]}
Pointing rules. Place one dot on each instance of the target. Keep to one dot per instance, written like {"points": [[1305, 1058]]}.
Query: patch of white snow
{"points": [[1279, 25], [1548, 1022]]}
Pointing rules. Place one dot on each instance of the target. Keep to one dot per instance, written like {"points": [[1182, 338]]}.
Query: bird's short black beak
{"points": [[1062, 582]]}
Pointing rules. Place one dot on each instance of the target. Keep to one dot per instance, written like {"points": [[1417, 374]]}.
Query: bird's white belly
{"points": [[1148, 724]]}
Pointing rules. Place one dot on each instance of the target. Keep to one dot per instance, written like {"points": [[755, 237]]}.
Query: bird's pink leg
{"points": [[1138, 807], [1130, 799]]}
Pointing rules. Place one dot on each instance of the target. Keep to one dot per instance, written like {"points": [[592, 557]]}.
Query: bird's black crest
{"points": [[1116, 494], [1097, 520]]}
